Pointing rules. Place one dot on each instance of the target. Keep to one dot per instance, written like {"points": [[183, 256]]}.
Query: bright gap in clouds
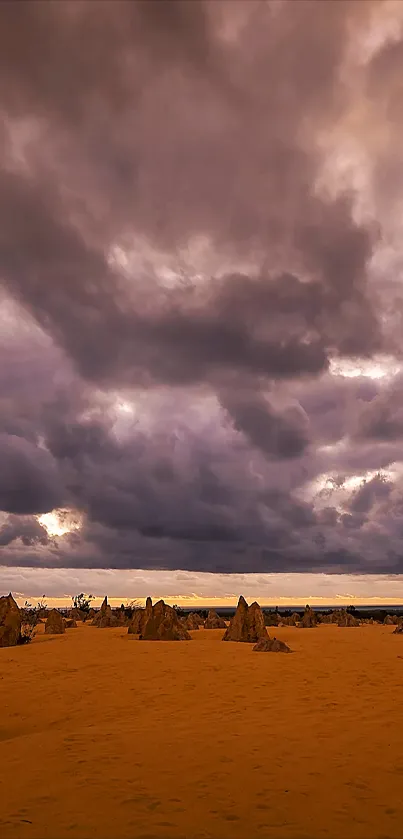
{"points": [[60, 522], [333, 490], [375, 368]]}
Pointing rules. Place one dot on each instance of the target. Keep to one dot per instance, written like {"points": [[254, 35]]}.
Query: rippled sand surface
{"points": [[102, 736]]}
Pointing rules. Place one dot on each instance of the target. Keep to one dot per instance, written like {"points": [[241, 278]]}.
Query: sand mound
{"points": [[10, 622], [164, 625], [55, 623], [271, 645], [213, 621], [247, 624]]}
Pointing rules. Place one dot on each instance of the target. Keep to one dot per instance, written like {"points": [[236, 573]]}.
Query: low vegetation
{"points": [[82, 602], [30, 617]]}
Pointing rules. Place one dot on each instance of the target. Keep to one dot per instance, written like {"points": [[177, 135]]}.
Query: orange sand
{"points": [[102, 736]]}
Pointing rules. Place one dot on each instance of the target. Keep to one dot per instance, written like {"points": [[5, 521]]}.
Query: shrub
{"points": [[83, 602], [29, 622]]}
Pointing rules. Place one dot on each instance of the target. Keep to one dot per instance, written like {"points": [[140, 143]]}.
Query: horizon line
{"points": [[65, 601]]}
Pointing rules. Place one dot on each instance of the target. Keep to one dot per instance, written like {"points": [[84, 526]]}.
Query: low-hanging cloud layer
{"points": [[201, 299]]}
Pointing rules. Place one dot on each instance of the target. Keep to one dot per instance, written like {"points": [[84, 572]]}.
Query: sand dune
{"points": [[105, 737]]}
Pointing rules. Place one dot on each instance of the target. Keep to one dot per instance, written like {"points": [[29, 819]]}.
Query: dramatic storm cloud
{"points": [[201, 301]]}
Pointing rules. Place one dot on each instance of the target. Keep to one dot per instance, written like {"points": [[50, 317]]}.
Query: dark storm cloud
{"points": [[382, 419], [26, 528], [279, 434], [171, 126], [376, 489], [29, 482], [71, 291], [197, 160]]}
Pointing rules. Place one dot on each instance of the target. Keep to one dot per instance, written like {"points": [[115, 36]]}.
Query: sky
{"points": [[201, 299]]}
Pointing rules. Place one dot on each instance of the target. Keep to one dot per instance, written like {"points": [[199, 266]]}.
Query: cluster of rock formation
{"points": [[346, 619], [13, 619], [292, 620], [213, 621], [163, 623], [271, 618], [341, 617], [248, 626], [158, 623], [105, 617]]}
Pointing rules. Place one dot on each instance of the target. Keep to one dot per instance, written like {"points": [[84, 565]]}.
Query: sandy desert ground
{"points": [[103, 736]]}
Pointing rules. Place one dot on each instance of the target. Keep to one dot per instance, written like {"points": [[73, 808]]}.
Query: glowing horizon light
{"points": [[59, 522]]}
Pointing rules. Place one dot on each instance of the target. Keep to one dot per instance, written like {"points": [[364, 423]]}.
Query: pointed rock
{"points": [[55, 624], [105, 617], [213, 621], [247, 624], [192, 622], [308, 618], [140, 618], [164, 625], [10, 622], [271, 645]]}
